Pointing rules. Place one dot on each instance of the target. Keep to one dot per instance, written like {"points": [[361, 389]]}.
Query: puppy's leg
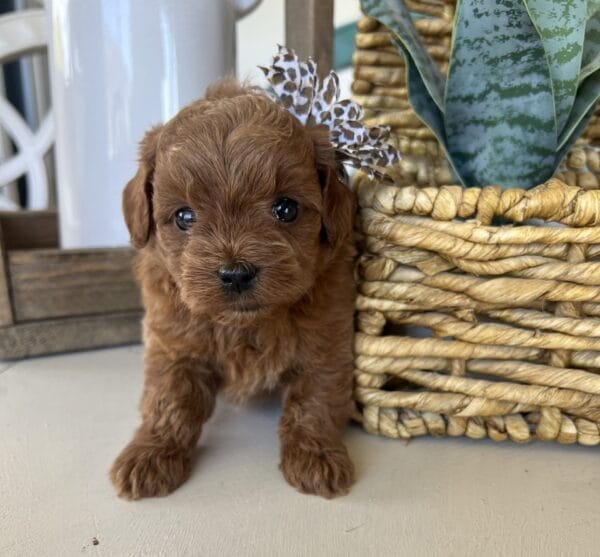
{"points": [[179, 396], [313, 457]]}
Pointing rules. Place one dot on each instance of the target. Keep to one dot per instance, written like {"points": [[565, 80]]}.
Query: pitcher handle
{"points": [[244, 7]]}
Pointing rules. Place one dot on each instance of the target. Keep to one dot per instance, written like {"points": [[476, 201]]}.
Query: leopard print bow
{"points": [[314, 102]]}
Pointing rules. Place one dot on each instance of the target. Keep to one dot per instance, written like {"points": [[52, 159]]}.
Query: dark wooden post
{"points": [[309, 30], [6, 312]]}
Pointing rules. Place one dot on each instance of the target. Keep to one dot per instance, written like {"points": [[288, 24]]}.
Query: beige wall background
{"points": [[260, 32]]}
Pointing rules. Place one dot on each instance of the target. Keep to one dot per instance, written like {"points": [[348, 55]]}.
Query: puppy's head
{"points": [[241, 203]]}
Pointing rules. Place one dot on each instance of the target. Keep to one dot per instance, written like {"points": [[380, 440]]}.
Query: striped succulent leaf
{"points": [[561, 27], [588, 84], [396, 17], [590, 60], [499, 111], [583, 108], [422, 103]]}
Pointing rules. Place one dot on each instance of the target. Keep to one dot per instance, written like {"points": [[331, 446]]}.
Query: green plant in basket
{"points": [[522, 84]]}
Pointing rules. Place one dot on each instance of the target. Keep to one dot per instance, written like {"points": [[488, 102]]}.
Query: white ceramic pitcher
{"points": [[117, 67]]}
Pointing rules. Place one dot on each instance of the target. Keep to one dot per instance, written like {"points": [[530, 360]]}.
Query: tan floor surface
{"points": [[63, 419]]}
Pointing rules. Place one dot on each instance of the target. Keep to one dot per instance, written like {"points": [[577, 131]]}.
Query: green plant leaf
{"points": [[396, 17], [561, 26], [499, 112], [585, 101], [590, 60], [579, 129], [421, 100]]}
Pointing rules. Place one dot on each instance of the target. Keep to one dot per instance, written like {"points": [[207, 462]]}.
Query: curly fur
{"points": [[228, 157]]}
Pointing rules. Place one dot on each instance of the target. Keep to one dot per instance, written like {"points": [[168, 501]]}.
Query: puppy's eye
{"points": [[285, 209], [184, 218]]}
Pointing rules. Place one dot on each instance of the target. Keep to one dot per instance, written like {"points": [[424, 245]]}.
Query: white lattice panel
{"points": [[22, 33]]}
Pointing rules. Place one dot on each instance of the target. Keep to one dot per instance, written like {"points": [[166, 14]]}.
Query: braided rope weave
{"points": [[478, 309]]}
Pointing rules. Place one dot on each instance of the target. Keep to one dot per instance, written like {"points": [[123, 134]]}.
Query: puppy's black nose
{"points": [[237, 276]]}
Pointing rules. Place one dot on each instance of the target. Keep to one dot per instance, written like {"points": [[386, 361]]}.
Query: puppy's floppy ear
{"points": [[137, 196], [338, 200]]}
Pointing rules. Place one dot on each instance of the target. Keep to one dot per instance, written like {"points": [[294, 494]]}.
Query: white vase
{"points": [[117, 67]]}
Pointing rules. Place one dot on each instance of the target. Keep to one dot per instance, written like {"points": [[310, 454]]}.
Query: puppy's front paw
{"points": [[143, 470], [326, 471]]}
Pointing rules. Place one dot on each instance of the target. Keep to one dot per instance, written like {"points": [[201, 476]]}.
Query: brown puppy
{"points": [[245, 262]]}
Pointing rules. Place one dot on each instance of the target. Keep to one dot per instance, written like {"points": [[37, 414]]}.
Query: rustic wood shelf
{"points": [[54, 300]]}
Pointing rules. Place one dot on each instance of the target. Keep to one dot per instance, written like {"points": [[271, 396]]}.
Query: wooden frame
{"points": [[309, 30], [54, 300]]}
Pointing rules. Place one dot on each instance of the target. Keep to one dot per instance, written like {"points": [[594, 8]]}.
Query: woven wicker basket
{"points": [[479, 309]]}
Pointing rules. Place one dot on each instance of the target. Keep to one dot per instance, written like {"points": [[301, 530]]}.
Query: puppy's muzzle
{"points": [[237, 276]]}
